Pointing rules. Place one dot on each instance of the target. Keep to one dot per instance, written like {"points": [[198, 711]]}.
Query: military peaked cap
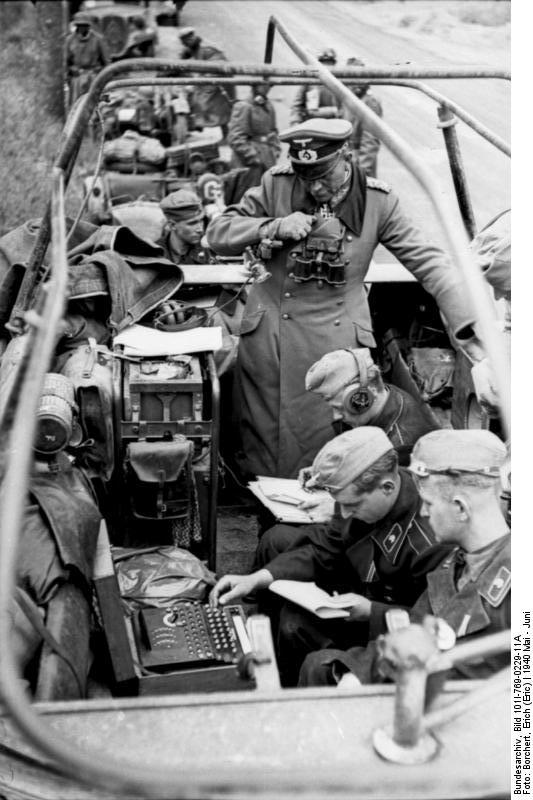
{"points": [[315, 143]]}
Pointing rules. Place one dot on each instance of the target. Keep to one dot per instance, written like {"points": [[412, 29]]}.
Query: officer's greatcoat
{"points": [[287, 326]]}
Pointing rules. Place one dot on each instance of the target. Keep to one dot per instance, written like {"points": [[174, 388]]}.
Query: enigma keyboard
{"points": [[190, 635]]}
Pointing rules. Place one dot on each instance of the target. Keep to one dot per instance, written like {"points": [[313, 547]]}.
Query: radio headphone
{"points": [[358, 398]]}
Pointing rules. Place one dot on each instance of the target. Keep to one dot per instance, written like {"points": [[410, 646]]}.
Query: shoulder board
{"points": [[282, 169], [373, 183]]}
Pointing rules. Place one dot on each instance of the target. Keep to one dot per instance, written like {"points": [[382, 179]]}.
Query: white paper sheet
{"points": [[282, 496], [138, 340]]}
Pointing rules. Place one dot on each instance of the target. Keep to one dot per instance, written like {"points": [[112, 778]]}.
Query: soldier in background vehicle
{"points": [[85, 55], [211, 105], [253, 135], [184, 228], [364, 144], [316, 101]]}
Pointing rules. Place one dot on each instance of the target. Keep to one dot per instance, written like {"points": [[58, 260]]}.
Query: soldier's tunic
{"points": [[287, 326], [387, 562], [314, 101], [252, 134], [212, 104], [470, 591], [83, 60], [363, 143]]}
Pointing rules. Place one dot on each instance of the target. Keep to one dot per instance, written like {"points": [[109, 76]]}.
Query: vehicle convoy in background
{"points": [[145, 426], [129, 29]]}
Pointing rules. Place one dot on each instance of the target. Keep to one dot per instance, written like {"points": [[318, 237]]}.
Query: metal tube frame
{"points": [[447, 121], [213, 464], [459, 112]]}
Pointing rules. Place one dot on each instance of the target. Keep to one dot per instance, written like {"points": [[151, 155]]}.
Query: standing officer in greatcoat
{"points": [[328, 217]]}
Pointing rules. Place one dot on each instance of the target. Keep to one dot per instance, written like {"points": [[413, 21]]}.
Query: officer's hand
{"points": [[319, 509], [296, 226], [360, 610], [484, 386], [234, 587]]}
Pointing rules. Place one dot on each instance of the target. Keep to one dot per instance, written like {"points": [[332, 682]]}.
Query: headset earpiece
{"points": [[357, 397]]}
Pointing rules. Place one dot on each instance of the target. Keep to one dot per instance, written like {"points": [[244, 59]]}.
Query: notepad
{"points": [[309, 596], [282, 497]]}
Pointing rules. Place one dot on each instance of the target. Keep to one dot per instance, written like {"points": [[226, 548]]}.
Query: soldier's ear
{"points": [[388, 486], [462, 508]]}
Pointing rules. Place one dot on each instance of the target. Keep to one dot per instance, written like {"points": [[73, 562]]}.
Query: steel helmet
{"points": [[327, 56]]}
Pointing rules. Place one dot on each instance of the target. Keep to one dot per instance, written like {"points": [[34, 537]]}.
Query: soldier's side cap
{"points": [[81, 18], [182, 205], [315, 142], [347, 456], [186, 32], [335, 371], [456, 451]]}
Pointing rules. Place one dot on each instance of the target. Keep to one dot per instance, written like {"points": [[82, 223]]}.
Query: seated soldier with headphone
{"points": [[351, 384]]}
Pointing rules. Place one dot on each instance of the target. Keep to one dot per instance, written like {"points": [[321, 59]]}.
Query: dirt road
{"points": [[240, 27]]}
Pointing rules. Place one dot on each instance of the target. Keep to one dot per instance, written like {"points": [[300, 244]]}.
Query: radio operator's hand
{"points": [[360, 610], [296, 226], [320, 509], [234, 587]]}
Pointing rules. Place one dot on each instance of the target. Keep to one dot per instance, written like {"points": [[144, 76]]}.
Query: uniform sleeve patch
{"points": [[499, 587], [374, 183], [285, 168]]}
